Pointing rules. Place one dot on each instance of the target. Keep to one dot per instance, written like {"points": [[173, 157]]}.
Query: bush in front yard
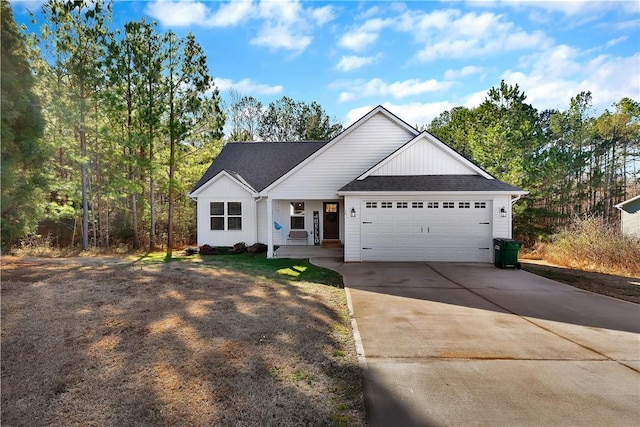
{"points": [[591, 244], [257, 248], [238, 248]]}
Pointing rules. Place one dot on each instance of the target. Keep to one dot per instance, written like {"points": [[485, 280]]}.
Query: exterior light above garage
{"points": [[503, 212], [353, 212]]}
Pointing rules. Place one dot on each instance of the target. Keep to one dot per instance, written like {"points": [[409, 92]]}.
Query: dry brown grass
{"points": [[89, 342], [592, 245]]}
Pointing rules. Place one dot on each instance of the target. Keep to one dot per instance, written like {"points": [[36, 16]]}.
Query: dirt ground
{"points": [[621, 287], [102, 342]]}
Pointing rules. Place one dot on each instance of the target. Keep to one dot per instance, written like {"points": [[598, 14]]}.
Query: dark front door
{"points": [[331, 220]]}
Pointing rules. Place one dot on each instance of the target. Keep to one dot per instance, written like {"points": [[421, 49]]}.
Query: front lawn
{"points": [[280, 269], [233, 340]]}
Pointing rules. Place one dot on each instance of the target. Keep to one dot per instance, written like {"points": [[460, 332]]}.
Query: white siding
{"points": [[631, 223], [423, 158], [351, 228], [502, 225], [226, 189], [343, 161]]}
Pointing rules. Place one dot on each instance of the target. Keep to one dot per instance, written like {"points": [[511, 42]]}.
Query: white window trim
{"points": [[225, 215]]}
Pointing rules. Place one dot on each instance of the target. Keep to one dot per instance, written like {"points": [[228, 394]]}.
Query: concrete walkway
{"points": [[472, 345]]}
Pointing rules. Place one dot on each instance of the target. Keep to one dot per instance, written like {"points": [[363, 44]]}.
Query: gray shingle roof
{"points": [[429, 183], [259, 163]]}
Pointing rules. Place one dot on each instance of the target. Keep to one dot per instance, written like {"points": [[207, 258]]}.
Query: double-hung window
{"points": [[226, 215]]}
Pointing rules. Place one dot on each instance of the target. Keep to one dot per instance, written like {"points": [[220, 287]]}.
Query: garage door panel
{"points": [[460, 232]]}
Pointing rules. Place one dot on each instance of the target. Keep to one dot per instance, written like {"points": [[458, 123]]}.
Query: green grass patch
{"points": [[155, 257], [279, 269]]}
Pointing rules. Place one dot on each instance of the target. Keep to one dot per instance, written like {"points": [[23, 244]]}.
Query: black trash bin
{"points": [[505, 253]]}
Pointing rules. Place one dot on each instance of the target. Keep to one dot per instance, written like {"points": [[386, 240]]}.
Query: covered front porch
{"points": [[304, 228]]}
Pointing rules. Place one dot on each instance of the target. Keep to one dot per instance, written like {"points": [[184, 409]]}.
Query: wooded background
{"points": [[105, 130]]}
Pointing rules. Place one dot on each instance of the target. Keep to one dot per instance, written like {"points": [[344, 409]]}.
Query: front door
{"points": [[331, 220]]}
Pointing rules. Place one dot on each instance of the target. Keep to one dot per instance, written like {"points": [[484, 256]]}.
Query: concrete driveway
{"points": [[469, 344]]}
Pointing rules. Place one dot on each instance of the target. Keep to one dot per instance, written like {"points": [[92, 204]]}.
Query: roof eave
{"points": [[431, 193], [621, 205], [196, 193]]}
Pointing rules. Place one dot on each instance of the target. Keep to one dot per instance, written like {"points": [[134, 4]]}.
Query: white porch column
{"points": [[269, 228]]}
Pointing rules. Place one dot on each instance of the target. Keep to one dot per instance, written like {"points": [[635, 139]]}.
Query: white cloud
{"points": [[231, 14], [353, 62], [178, 13], [472, 35], [616, 41], [362, 37], [379, 88], [323, 15], [280, 36], [561, 73], [468, 70], [358, 40], [285, 23], [573, 8], [247, 86], [288, 25], [448, 33]]}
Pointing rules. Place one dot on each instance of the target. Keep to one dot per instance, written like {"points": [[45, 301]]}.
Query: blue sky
{"points": [[417, 58]]}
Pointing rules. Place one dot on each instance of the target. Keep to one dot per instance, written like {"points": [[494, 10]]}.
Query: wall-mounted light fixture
{"points": [[353, 212], [503, 212]]}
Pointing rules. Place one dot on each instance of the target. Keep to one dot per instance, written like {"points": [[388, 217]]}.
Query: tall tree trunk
{"points": [[152, 197], [83, 168], [172, 168]]}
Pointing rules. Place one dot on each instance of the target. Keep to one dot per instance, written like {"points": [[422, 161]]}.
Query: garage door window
{"points": [[448, 205], [464, 205], [417, 205], [480, 205], [386, 205], [372, 205], [402, 205], [432, 205]]}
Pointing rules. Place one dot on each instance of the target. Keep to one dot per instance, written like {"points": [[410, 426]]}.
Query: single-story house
{"points": [[382, 189], [630, 216]]}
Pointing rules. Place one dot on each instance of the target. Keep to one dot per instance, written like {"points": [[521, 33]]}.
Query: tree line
{"points": [[105, 130], [571, 162]]}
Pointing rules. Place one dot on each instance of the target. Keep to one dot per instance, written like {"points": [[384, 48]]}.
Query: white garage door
{"points": [[426, 230]]}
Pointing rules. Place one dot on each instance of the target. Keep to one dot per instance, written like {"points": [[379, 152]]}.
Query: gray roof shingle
{"points": [[429, 183], [260, 164]]}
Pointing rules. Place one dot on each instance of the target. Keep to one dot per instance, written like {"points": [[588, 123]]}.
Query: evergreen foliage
{"points": [[24, 176]]}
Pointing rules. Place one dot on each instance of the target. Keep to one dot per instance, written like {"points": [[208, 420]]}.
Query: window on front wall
{"points": [[226, 215], [234, 216], [297, 215]]}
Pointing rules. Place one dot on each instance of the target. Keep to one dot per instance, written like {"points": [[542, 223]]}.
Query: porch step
{"points": [[331, 243]]}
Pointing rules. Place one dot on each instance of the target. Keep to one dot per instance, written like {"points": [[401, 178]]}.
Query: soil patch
{"points": [[621, 287], [111, 343]]}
